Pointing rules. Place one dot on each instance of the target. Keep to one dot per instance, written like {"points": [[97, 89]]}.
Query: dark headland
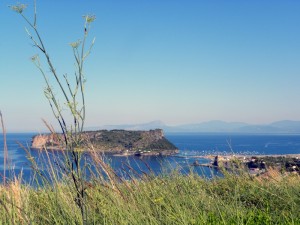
{"points": [[117, 142]]}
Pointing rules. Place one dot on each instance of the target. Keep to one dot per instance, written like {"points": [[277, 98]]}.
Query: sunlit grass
{"points": [[168, 199]]}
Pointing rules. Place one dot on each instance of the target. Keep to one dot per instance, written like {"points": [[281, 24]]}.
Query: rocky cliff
{"points": [[152, 142], [46, 140]]}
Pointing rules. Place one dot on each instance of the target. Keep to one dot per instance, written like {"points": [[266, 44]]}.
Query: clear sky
{"points": [[179, 61]]}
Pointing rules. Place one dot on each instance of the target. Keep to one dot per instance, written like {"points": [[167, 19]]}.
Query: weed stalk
{"points": [[72, 96]]}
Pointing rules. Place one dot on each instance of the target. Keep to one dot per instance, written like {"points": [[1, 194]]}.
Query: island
{"points": [[117, 142]]}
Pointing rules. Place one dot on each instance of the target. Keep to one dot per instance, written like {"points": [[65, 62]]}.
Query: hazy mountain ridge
{"points": [[283, 126]]}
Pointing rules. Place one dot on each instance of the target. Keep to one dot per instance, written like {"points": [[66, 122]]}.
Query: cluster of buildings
{"points": [[258, 164]]}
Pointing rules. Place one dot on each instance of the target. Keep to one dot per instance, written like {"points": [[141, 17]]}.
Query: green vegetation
{"points": [[114, 141], [283, 163], [152, 140], [169, 199]]}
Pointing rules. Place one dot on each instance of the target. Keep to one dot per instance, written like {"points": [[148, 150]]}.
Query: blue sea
{"points": [[192, 146]]}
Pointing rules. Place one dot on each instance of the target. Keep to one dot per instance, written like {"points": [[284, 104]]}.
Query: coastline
{"points": [[170, 153], [256, 164], [120, 153], [240, 156]]}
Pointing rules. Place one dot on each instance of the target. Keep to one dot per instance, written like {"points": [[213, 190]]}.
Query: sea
{"points": [[192, 147]]}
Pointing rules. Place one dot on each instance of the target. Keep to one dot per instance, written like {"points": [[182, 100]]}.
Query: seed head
{"points": [[34, 57], [75, 44], [89, 18], [19, 8]]}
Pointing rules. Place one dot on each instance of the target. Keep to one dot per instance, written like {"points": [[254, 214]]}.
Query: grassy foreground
{"points": [[174, 199]]}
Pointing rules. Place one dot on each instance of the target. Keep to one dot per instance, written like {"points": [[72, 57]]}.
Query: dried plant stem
{"points": [[73, 98], [5, 150]]}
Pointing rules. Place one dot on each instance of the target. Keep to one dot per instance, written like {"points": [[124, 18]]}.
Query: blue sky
{"points": [[171, 60]]}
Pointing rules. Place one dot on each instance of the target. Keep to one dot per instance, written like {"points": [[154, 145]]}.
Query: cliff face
{"points": [[45, 140], [116, 141]]}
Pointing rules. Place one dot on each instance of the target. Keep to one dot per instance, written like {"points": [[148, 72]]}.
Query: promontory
{"points": [[118, 142]]}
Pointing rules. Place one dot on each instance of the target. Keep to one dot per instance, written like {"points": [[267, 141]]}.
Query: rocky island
{"points": [[117, 142]]}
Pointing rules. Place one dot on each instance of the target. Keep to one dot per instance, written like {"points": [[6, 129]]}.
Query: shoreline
{"points": [[175, 153], [119, 153], [240, 156]]}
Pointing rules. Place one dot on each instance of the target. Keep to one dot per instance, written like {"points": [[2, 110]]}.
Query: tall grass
{"points": [[5, 150], [167, 199]]}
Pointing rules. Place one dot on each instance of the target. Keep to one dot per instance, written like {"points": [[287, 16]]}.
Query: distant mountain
{"points": [[212, 126], [288, 125], [284, 126], [144, 126], [259, 129]]}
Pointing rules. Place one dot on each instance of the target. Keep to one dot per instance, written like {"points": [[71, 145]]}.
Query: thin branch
{"points": [[4, 148], [35, 13]]}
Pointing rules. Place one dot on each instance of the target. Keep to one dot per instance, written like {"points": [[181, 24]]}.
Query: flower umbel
{"points": [[34, 58], [89, 18], [75, 44], [19, 8]]}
